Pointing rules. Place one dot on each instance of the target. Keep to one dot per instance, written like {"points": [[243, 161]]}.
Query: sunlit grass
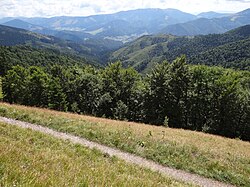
{"points": [[29, 158], [212, 156]]}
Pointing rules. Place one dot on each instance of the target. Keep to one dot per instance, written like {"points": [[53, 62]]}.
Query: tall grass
{"points": [[29, 158], [212, 156]]}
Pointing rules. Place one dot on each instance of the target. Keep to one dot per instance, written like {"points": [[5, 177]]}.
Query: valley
{"points": [[161, 86]]}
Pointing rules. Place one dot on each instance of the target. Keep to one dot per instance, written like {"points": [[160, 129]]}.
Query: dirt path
{"points": [[130, 158]]}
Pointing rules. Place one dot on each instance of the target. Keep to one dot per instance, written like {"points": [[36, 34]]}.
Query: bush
{"points": [[166, 121]]}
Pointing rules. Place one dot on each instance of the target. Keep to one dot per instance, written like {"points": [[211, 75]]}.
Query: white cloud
{"points": [[48, 8]]}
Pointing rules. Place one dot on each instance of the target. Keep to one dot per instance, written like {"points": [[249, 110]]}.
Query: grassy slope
{"points": [[212, 156], [29, 158]]}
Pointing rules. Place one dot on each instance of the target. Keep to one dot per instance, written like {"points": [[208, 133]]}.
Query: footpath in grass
{"points": [[212, 156], [29, 158]]}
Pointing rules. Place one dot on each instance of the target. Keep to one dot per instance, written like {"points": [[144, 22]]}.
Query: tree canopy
{"points": [[197, 97]]}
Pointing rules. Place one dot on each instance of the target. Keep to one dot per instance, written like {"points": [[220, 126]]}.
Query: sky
{"points": [[50, 8]]}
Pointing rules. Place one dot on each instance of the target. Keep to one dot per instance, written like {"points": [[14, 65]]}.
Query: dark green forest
{"points": [[230, 50], [197, 97], [26, 56]]}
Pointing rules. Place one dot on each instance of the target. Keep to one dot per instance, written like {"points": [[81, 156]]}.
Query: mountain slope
{"points": [[235, 54], [141, 18], [26, 56], [122, 26], [93, 50], [13, 36], [23, 25], [126, 26], [66, 35], [147, 50], [209, 26], [211, 15]]}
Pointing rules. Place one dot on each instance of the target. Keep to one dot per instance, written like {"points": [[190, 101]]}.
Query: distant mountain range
{"points": [[211, 15], [216, 25], [101, 38], [128, 25], [122, 26], [231, 49]]}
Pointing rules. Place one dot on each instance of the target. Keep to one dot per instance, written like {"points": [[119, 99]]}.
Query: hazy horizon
{"points": [[52, 8]]}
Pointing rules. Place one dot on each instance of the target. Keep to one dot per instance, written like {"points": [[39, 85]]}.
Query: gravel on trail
{"points": [[130, 158]]}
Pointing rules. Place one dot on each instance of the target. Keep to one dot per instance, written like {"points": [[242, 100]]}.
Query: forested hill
{"points": [[145, 51], [233, 55], [10, 36], [26, 56]]}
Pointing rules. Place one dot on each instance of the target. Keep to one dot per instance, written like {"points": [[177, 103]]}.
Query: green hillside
{"points": [[93, 50], [35, 159], [211, 156], [26, 56], [232, 55], [143, 53]]}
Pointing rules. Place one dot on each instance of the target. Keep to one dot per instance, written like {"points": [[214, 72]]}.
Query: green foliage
{"points": [[209, 99], [156, 101], [93, 50], [230, 49], [233, 55], [1, 90], [118, 87], [26, 56], [166, 120], [15, 85], [121, 110], [178, 84]]}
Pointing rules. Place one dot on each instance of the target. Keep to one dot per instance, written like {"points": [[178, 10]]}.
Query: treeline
{"points": [[208, 99]]}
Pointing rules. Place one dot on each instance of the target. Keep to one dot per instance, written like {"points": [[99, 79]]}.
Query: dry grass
{"points": [[213, 143], [29, 158], [212, 156]]}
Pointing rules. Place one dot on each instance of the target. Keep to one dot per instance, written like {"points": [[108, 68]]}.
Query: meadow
{"points": [[29, 158], [216, 157]]}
